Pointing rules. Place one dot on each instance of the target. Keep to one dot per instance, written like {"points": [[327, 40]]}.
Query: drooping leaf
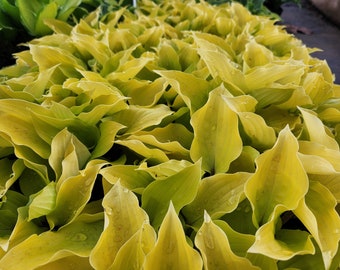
{"points": [[108, 132], [281, 244], [316, 130], [78, 238], [137, 118], [43, 202], [10, 172], [21, 231], [17, 124], [317, 212], [165, 169], [129, 176], [193, 90]]}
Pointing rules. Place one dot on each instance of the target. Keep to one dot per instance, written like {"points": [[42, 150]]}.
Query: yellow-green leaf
{"points": [[281, 244], [172, 250], [279, 180], [73, 194], [217, 195], [131, 255], [43, 202], [193, 90], [217, 140], [316, 130], [180, 188], [78, 238], [215, 249], [317, 212], [123, 218]]}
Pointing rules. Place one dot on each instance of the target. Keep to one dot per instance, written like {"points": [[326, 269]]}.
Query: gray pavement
{"points": [[315, 30]]}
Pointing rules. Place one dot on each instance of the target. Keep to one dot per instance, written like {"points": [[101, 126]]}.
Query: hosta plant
{"points": [[32, 15], [181, 136]]}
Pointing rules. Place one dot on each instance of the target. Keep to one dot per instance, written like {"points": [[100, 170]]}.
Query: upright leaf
{"points": [[215, 249], [193, 90], [279, 180], [68, 155], [217, 140], [172, 250], [73, 194], [180, 188], [217, 195], [123, 218], [131, 255]]}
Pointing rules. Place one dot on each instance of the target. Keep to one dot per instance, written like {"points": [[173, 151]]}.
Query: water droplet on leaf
{"points": [[78, 237]]}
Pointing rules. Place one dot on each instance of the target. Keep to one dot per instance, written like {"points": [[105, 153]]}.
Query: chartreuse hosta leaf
{"points": [[73, 193], [215, 248], [281, 244], [137, 118], [43, 202], [68, 155], [218, 194], [123, 219], [108, 132], [216, 137], [256, 54], [53, 56], [170, 103], [10, 172], [22, 230], [78, 238], [316, 149], [240, 244], [142, 93], [218, 61], [193, 90], [129, 176], [180, 188], [279, 182], [317, 212], [132, 254], [253, 127], [316, 131], [17, 124], [171, 250], [8, 211], [165, 169]]}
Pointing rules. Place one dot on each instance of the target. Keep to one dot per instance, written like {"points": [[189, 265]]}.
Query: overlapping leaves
{"points": [[185, 141]]}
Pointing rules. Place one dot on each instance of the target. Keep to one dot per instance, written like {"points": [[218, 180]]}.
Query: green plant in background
{"points": [[15, 14], [180, 136], [264, 7], [32, 15]]}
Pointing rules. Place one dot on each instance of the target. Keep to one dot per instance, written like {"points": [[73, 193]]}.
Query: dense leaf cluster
{"points": [[181, 136]]}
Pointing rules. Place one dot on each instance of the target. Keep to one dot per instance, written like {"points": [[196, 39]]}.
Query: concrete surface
{"points": [[315, 30]]}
